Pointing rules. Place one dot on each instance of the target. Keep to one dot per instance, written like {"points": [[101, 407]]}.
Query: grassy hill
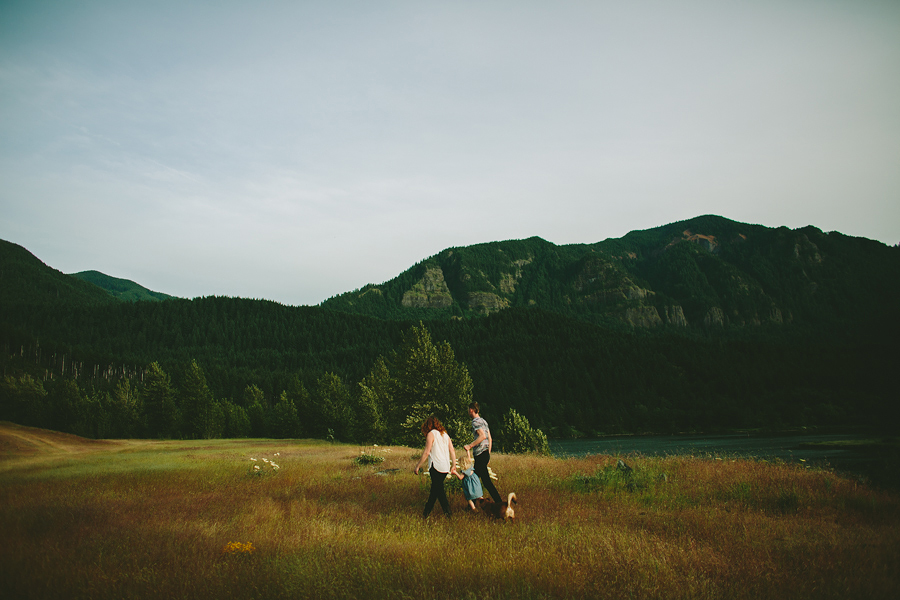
{"points": [[19, 441]]}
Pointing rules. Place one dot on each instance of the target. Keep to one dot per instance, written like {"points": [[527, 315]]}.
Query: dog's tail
{"points": [[509, 513]]}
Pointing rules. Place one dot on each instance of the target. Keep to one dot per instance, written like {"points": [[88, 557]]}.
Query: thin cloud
{"points": [[299, 150]]}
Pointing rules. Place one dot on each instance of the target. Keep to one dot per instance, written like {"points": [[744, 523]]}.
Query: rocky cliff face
{"points": [[486, 302], [714, 317], [508, 281], [643, 316], [675, 316], [430, 291]]}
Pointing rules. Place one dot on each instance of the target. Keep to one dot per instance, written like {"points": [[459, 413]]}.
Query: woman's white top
{"points": [[440, 451]]}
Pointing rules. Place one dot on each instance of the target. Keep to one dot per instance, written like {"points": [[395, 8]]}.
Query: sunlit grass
{"points": [[144, 520]]}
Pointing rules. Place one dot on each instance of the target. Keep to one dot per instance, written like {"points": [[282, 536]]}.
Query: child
{"points": [[471, 483]]}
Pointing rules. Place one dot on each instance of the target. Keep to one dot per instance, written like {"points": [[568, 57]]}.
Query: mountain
{"points": [[123, 289], [706, 272], [26, 281], [700, 325]]}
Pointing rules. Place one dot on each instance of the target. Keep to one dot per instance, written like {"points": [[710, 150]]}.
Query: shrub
{"points": [[517, 435]]}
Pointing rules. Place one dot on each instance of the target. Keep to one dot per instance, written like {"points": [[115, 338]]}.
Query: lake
{"points": [[785, 447]]}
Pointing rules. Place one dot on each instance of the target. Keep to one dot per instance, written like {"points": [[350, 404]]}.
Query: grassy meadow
{"points": [[194, 519]]}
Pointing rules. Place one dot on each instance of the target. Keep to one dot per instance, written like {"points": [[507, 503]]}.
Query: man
{"points": [[481, 448]]}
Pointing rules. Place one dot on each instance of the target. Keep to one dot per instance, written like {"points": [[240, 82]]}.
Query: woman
{"points": [[439, 447], [481, 447]]}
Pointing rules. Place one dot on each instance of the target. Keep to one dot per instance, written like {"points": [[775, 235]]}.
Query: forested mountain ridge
{"points": [[25, 280], [703, 272], [561, 348], [122, 289]]}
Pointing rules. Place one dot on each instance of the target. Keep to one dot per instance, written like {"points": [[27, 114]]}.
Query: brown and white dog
{"points": [[502, 511]]}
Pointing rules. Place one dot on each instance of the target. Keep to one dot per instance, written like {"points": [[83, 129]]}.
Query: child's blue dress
{"points": [[471, 485]]}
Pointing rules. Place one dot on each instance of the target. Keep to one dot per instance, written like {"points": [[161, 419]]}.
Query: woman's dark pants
{"points": [[437, 492]]}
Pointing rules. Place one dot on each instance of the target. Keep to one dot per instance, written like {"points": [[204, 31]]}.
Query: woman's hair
{"points": [[430, 423], [474, 406]]}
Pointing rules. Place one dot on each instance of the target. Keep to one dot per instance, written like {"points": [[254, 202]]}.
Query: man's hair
{"points": [[474, 406]]}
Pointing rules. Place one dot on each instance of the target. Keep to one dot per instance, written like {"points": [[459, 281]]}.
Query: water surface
{"points": [[787, 448]]}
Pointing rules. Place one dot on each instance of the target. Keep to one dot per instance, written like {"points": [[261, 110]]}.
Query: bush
{"points": [[518, 436]]}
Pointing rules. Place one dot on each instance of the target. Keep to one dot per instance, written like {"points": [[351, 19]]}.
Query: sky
{"points": [[294, 151]]}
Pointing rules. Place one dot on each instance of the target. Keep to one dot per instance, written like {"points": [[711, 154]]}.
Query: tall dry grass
{"points": [[157, 520]]}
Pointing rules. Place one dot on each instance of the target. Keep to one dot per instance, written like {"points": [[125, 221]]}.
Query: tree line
{"points": [[565, 376], [388, 405]]}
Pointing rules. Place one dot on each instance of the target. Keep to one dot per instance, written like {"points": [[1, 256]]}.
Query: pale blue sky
{"points": [[297, 150]]}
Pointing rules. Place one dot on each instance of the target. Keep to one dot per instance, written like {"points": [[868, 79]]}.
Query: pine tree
{"points": [[256, 407], [333, 400], [427, 380], [237, 421], [373, 402], [309, 415], [158, 398], [285, 420], [203, 416], [125, 411]]}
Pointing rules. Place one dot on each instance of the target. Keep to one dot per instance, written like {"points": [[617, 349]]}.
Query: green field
{"points": [[193, 519]]}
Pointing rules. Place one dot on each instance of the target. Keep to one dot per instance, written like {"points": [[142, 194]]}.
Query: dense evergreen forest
{"points": [[779, 329]]}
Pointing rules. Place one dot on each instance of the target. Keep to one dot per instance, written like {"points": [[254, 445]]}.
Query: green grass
{"points": [[161, 519]]}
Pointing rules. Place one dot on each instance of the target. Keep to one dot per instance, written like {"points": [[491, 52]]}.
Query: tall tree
{"points": [[285, 420], [125, 411], [203, 416], [373, 402], [237, 421], [255, 404], [158, 398], [307, 409], [333, 399], [428, 380]]}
